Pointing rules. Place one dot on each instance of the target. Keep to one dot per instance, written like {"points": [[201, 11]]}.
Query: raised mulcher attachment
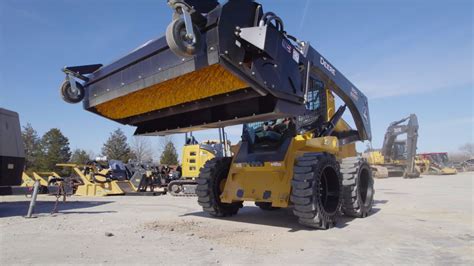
{"points": [[242, 68]]}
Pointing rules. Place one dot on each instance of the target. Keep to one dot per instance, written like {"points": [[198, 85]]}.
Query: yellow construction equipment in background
{"points": [[397, 157], [194, 157], [93, 181], [47, 180], [28, 180], [437, 163]]}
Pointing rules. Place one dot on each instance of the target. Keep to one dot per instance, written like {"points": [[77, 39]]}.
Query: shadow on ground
{"points": [[278, 218], [20, 208]]}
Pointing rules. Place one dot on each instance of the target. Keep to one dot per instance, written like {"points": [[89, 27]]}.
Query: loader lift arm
{"points": [[355, 100]]}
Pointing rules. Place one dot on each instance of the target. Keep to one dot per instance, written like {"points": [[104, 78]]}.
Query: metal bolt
{"points": [[212, 48], [253, 73]]}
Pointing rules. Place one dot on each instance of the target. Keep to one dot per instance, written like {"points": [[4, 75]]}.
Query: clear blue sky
{"points": [[408, 56]]}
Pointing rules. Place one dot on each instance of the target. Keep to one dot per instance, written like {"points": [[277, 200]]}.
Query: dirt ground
{"points": [[423, 221]]}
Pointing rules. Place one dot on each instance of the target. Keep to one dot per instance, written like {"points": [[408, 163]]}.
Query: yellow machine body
{"points": [[194, 158], [274, 178], [89, 188], [375, 158]]}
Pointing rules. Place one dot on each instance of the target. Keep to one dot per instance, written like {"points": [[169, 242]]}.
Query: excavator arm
{"points": [[398, 128]]}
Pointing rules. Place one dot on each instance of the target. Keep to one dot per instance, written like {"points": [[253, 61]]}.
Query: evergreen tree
{"points": [[116, 147], [169, 155], [55, 149], [32, 144], [80, 157]]}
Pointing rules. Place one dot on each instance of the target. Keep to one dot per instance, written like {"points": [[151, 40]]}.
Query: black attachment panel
{"points": [[83, 70], [202, 6]]}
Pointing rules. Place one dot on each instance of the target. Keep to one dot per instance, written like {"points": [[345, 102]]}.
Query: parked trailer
{"points": [[12, 153]]}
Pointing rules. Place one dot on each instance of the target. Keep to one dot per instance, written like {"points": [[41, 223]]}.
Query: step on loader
{"points": [[214, 69]]}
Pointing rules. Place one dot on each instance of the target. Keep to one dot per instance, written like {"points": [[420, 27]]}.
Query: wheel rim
{"points": [[365, 187], [175, 189], [329, 190], [73, 95], [188, 43]]}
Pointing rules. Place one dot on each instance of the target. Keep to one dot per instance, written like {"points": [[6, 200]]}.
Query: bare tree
{"points": [[141, 149], [468, 148], [458, 156]]}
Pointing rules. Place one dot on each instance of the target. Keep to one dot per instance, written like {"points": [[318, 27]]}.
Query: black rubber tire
{"points": [[316, 190], [358, 187], [175, 39], [209, 191], [266, 206], [68, 96]]}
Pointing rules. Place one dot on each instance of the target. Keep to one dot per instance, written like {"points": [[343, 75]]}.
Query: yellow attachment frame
{"points": [[89, 188], [28, 180]]}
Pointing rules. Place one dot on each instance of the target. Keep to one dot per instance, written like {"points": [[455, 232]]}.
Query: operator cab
{"points": [[274, 135]]}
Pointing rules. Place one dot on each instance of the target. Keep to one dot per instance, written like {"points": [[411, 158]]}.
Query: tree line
{"points": [[44, 152]]}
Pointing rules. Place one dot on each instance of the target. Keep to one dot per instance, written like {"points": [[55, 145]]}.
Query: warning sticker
{"points": [[296, 56], [286, 45]]}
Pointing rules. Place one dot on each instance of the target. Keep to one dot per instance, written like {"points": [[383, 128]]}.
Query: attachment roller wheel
{"points": [[179, 43], [69, 95]]}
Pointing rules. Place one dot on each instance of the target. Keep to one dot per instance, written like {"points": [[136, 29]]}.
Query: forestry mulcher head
{"points": [[218, 65]]}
